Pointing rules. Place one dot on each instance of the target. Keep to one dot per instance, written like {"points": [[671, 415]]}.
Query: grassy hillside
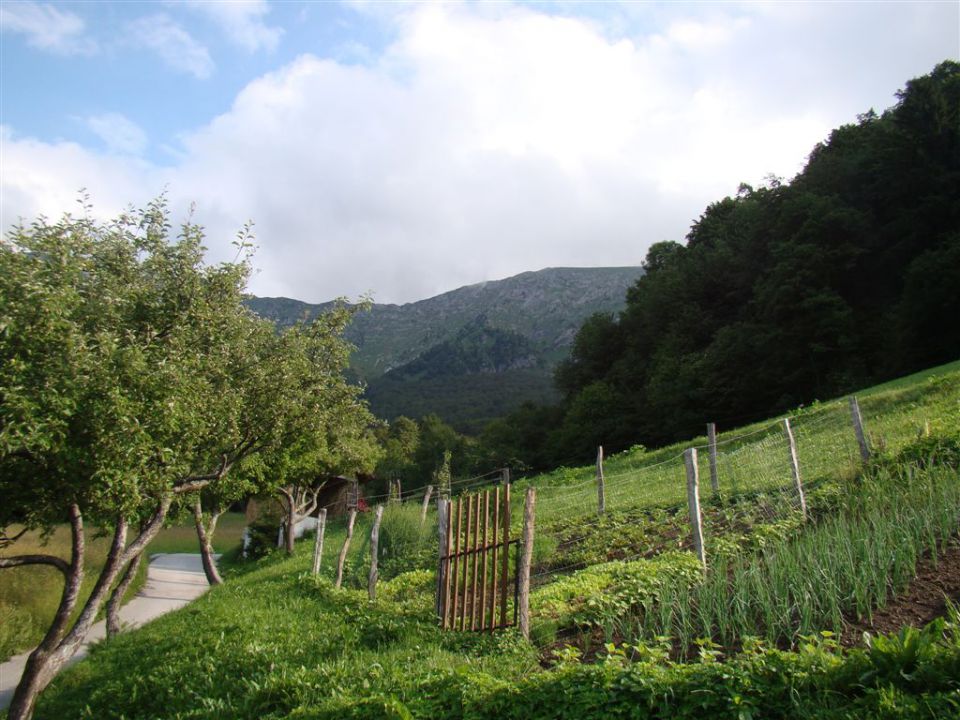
{"points": [[625, 623]]}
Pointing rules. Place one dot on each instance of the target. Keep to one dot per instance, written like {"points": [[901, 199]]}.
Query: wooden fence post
{"points": [[374, 551], [318, 541], [693, 501], [526, 556], [795, 467], [505, 476], [346, 546], [858, 428], [712, 442], [443, 535], [601, 491], [426, 504]]}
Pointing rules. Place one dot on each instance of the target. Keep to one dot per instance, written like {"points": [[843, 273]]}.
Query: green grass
{"points": [[29, 596], [182, 538], [274, 642]]}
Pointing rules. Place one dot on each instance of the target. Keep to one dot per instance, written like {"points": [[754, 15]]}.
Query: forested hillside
{"points": [[782, 294], [473, 354]]}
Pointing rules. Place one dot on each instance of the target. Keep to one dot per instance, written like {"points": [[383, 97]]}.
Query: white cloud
{"points": [[41, 178], [47, 27], [175, 46], [486, 141], [242, 21], [120, 134]]}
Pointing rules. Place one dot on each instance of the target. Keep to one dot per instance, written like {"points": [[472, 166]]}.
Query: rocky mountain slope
{"points": [[453, 345]]}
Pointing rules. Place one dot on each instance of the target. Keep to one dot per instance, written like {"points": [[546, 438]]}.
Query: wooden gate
{"points": [[474, 575]]}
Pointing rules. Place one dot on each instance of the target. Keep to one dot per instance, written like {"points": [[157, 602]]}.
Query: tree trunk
{"points": [[37, 673], [116, 599], [290, 530], [205, 536], [54, 651]]}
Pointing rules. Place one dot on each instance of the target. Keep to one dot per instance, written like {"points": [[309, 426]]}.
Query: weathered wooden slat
{"points": [[486, 549], [456, 563], [493, 574], [506, 555], [443, 531], [476, 563], [466, 564]]}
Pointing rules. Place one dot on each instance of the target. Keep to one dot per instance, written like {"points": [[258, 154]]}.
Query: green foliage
{"points": [[598, 593], [404, 543], [782, 294]]}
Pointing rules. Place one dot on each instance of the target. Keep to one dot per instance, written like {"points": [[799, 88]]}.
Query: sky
{"points": [[402, 150]]}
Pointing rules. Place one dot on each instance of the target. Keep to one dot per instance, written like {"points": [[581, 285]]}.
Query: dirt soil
{"points": [[924, 600]]}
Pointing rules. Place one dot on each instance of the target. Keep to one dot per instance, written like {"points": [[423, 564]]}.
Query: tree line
{"points": [[781, 295]]}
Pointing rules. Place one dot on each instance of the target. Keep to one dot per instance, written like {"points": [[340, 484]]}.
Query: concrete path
{"points": [[173, 580]]}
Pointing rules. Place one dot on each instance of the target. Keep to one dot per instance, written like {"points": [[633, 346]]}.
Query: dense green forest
{"points": [[783, 294], [468, 380]]}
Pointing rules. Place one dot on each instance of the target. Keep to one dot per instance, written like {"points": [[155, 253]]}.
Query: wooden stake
{"points": [[506, 553], [483, 580], [346, 546], [318, 541], [795, 466], [443, 579], [505, 476], [374, 551], [426, 504], [526, 557], [466, 563], [601, 492], [493, 563], [712, 442], [858, 428], [456, 563], [693, 501], [476, 563]]}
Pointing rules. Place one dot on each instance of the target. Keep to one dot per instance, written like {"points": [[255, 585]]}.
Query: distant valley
{"points": [[475, 353]]}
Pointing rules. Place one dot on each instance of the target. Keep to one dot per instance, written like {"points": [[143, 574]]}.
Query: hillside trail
{"points": [[173, 580]]}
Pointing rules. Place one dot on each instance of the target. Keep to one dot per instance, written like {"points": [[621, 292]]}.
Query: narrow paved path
{"points": [[173, 580]]}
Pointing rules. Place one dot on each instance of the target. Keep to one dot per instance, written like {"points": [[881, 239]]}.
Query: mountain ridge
{"points": [[546, 306]]}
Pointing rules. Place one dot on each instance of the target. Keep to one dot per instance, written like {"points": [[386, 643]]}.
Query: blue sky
{"points": [[409, 148]]}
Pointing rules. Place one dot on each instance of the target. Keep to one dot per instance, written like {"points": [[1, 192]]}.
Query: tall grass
{"points": [[844, 567]]}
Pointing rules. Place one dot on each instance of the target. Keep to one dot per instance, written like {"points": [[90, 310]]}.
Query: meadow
{"points": [[626, 623]]}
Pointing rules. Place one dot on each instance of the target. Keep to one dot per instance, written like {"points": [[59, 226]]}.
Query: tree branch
{"points": [[20, 560], [199, 482]]}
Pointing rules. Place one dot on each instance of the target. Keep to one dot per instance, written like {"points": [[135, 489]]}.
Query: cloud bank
{"points": [[490, 140]]}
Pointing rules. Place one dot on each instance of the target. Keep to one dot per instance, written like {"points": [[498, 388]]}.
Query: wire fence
{"points": [[747, 482]]}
